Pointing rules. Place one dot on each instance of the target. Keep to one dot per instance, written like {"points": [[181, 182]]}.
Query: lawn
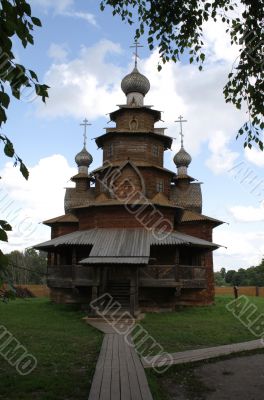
{"points": [[66, 349], [189, 329], [198, 327]]}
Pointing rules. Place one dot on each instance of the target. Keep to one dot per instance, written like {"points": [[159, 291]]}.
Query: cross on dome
{"points": [[136, 45], [181, 120], [85, 124]]}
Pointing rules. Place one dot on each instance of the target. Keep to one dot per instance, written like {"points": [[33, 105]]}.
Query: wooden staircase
{"points": [[120, 291]]}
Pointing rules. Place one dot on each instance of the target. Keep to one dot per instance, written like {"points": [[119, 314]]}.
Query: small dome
{"points": [[83, 159], [182, 158], [135, 82]]}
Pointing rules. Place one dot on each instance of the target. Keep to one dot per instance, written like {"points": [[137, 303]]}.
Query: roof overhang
{"points": [[113, 115], [166, 140], [126, 243]]}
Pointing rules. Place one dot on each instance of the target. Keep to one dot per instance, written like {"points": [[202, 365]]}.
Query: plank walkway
{"points": [[203, 354], [119, 374]]}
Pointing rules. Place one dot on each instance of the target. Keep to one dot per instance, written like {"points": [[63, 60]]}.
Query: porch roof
{"points": [[126, 246]]}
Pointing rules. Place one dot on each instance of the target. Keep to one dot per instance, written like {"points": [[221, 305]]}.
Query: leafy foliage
{"points": [[16, 23], [253, 276], [28, 267], [177, 28]]}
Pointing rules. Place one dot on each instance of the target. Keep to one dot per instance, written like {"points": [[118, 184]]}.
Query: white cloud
{"points": [[66, 8], [243, 249], [218, 43], [87, 85], [58, 52], [92, 85], [247, 213], [255, 156], [82, 15], [222, 158], [25, 204], [58, 5]]}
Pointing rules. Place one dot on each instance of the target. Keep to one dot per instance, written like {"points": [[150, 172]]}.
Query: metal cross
{"points": [[85, 124], [136, 45], [181, 120]]}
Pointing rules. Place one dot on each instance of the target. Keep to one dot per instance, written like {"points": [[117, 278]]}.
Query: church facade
{"points": [[132, 228]]}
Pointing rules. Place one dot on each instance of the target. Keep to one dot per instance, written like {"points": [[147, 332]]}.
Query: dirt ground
{"points": [[239, 378]]}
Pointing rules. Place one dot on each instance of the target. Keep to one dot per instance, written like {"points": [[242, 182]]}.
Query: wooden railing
{"points": [[73, 274], [187, 276]]}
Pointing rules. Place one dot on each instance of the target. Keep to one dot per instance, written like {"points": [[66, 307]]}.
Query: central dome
{"points": [[135, 82]]}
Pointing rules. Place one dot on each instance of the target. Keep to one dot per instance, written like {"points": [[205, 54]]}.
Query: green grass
{"points": [[66, 349], [197, 327], [189, 329]]}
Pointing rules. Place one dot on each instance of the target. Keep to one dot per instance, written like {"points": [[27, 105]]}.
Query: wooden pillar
{"points": [[133, 290], [55, 258], [74, 256], [176, 264], [93, 298]]}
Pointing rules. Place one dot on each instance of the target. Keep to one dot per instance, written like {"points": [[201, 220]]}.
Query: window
{"points": [[155, 150], [160, 186]]}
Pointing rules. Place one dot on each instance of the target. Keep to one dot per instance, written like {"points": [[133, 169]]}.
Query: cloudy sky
{"points": [[82, 54]]}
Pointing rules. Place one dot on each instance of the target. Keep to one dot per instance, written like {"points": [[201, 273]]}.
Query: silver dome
{"points": [[83, 159], [182, 158], [135, 82]]}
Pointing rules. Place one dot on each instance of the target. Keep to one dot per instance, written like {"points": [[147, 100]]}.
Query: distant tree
{"points": [[176, 27], [252, 276], [27, 267], [219, 280], [230, 276], [223, 272]]}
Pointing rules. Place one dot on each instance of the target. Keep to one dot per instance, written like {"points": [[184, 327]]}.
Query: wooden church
{"points": [[132, 228]]}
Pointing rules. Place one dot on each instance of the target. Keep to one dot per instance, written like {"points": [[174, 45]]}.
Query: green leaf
{"points": [[33, 75], [36, 21], [3, 235], [5, 225], [9, 149], [4, 99], [24, 171]]}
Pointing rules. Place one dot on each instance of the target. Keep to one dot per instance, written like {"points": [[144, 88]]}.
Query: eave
{"points": [[167, 140]]}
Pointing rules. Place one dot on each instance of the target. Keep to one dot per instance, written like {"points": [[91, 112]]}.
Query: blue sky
{"points": [[83, 54]]}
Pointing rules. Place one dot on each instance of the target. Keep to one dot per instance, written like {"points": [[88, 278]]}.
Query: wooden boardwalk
{"points": [[203, 354], [119, 374]]}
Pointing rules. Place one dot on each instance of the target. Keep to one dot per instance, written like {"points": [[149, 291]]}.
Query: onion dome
{"points": [[135, 82], [182, 158], [83, 159]]}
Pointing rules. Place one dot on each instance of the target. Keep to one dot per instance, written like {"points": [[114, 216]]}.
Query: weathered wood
{"points": [[142, 380], [119, 374], [105, 393], [132, 374], [115, 380], [98, 375], [202, 354], [124, 379], [158, 283]]}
